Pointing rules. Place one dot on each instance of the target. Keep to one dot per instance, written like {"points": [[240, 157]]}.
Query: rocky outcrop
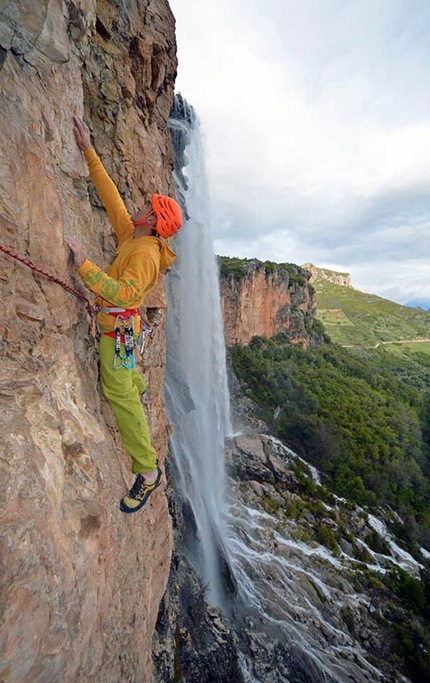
{"points": [[318, 274], [263, 299], [314, 564], [81, 583]]}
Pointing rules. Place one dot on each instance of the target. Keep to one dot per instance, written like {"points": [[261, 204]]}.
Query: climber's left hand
{"points": [[77, 251]]}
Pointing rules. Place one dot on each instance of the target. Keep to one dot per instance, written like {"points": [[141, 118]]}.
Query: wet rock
{"points": [[248, 459], [308, 516], [193, 640], [346, 547], [314, 624]]}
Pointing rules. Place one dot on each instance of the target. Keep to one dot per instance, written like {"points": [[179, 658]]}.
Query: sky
{"points": [[315, 116]]}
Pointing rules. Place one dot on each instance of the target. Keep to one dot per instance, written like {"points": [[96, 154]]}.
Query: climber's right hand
{"points": [[82, 134]]}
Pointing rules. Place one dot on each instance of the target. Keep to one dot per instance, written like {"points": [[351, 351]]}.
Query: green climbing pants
{"points": [[122, 389]]}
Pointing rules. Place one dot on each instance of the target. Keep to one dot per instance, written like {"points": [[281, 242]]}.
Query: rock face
{"points": [[80, 582], [343, 279], [258, 300], [193, 641]]}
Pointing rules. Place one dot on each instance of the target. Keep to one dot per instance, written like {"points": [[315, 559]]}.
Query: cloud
{"points": [[315, 121], [402, 281]]}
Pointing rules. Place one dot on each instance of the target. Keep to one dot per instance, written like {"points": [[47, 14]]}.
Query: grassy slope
{"points": [[354, 318]]}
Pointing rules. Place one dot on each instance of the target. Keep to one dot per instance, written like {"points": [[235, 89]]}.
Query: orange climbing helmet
{"points": [[168, 213]]}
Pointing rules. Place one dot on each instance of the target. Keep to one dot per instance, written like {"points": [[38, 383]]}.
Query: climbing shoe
{"points": [[139, 493]]}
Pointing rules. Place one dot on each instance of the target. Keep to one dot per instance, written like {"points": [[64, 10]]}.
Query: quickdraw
{"points": [[123, 333], [145, 331], [124, 325]]}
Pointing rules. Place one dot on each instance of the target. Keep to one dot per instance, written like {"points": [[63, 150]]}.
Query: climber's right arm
{"points": [[106, 188]]}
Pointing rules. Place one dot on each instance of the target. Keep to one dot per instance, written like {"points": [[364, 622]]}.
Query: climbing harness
{"points": [[90, 308], [123, 333]]}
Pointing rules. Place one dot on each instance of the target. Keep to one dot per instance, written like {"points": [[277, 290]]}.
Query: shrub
{"points": [[326, 536], [409, 589], [270, 505]]}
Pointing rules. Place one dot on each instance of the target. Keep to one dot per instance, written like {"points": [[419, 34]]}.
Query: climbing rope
{"points": [[69, 288]]}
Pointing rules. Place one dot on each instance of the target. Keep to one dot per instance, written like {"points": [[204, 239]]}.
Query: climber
{"points": [[140, 255]]}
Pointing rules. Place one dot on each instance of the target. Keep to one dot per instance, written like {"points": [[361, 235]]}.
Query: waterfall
{"points": [[282, 596], [196, 387]]}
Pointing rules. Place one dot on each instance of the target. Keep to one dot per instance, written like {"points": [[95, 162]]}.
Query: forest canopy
{"points": [[361, 418]]}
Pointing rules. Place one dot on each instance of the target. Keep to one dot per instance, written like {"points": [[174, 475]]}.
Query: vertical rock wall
{"points": [[80, 582]]}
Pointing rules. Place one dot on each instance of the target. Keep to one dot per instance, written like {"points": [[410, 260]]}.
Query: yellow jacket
{"points": [[137, 262]]}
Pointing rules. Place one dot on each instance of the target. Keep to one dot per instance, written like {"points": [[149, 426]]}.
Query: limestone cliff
{"points": [[81, 583], [266, 298]]}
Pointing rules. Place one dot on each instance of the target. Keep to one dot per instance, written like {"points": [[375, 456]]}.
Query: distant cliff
{"points": [[318, 274], [264, 298]]}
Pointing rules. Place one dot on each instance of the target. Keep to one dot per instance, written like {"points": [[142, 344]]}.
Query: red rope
{"points": [[69, 288]]}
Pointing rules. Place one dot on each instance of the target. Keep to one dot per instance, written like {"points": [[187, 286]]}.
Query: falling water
{"points": [[196, 379], [284, 586]]}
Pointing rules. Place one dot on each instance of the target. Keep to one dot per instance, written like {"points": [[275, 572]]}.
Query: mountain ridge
{"points": [[423, 304], [318, 274]]}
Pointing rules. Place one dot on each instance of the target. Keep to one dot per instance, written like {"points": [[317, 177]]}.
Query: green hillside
{"points": [[353, 318], [361, 416]]}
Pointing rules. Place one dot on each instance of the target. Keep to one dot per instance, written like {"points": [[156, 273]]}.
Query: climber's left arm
{"points": [[140, 274]]}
